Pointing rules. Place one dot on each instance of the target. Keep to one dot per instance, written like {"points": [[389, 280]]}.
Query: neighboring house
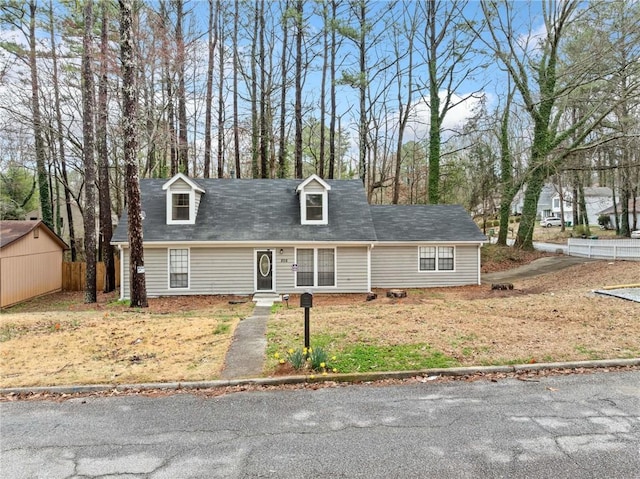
{"points": [[30, 261], [634, 213], [231, 236], [76, 214], [596, 199], [544, 208]]}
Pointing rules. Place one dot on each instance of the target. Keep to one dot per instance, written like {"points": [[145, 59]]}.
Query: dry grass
{"points": [[58, 340], [108, 343], [554, 317]]}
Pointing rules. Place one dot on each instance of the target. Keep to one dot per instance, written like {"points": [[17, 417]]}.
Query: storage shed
{"points": [[30, 261]]}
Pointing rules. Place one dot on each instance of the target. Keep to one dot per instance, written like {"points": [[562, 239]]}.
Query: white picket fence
{"points": [[605, 249]]}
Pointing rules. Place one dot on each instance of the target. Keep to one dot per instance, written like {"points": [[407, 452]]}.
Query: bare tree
{"points": [[104, 191]]}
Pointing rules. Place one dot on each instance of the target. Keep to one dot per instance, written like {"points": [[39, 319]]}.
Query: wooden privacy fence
{"points": [[73, 275]]}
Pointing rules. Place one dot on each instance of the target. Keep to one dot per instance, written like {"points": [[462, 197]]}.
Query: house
{"points": [[596, 199], [634, 213], [242, 236], [544, 208], [30, 261]]}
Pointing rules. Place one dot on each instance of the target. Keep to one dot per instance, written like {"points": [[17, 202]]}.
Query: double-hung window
{"points": [[437, 258], [180, 204], [314, 207], [178, 268], [316, 267]]}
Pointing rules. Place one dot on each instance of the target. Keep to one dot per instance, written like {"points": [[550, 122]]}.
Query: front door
{"points": [[264, 271]]}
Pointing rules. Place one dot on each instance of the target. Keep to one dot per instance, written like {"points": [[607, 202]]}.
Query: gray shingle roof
{"points": [[424, 223], [255, 210], [264, 210]]}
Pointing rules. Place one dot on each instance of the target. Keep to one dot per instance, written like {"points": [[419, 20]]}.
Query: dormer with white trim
{"points": [[183, 199], [314, 201]]}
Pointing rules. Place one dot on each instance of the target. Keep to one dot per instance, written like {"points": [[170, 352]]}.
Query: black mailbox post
{"points": [[306, 302]]}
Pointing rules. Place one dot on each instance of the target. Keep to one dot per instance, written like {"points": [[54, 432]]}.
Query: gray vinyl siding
{"points": [[232, 271], [351, 271], [211, 271], [180, 185], [397, 267], [314, 187], [197, 200]]}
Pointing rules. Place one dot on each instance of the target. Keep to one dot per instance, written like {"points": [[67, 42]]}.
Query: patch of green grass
{"points": [[592, 354], [366, 358], [118, 302], [275, 307], [222, 328], [9, 331]]}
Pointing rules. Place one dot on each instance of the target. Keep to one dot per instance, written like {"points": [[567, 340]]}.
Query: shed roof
{"points": [[13, 230]]}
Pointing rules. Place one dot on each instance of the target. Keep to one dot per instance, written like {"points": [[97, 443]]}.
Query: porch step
{"points": [[266, 299]]}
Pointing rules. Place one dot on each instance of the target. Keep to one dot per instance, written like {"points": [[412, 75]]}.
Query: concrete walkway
{"points": [[245, 358]]}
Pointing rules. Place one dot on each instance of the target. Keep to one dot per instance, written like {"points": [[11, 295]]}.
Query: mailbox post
{"points": [[306, 302]]}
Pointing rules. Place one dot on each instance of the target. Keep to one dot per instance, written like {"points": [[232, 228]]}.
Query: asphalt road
{"points": [[578, 426]]}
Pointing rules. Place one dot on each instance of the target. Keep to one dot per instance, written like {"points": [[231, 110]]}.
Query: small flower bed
{"points": [[314, 360]]}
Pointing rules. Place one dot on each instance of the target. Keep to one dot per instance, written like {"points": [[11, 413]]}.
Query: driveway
{"points": [[539, 266]]}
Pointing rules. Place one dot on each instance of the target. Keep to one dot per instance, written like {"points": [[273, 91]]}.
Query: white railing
{"points": [[605, 249]]}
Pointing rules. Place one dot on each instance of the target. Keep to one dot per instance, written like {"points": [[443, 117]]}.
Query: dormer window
{"points": [[180, 206], [183, 198], [314, 207], [314, 201]]}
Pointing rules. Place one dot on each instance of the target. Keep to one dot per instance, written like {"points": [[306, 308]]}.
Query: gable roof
{"points": [[316, 178], [13, 230], [255, 210], [630, 207], [186, 179], [268, 210], [424, 223]]}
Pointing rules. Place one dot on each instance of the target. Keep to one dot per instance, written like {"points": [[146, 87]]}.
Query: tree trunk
{"points": [[60, 136], [183, 141], [332, 94], [255, 127], [236, 66], [106, 227], [208, 101], [282, 148], [138, 291], [264, 141], [43, 186], [89, 159], [298, 91], [221, 75]]}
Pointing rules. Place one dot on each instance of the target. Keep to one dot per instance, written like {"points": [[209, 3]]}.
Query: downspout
{"points": [[121, 272], [369, 266], [479, 263]]}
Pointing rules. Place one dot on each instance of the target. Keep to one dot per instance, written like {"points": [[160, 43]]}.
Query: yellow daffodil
{"points": [[322, 365], [333, 358], [324, 373], [313, 376], [276, 355], [310, 350], [335, 370], [282, 361], [290, 351]]}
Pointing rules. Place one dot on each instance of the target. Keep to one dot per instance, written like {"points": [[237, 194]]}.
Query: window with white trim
{"points": [[314, 209], [316, 267], [437, 258], [178, 268], [180, 206]]}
